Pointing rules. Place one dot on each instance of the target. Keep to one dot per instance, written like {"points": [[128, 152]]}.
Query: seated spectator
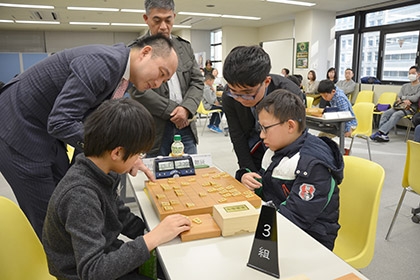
{"points": [[285, 72], [208, 69], [85, 214], [347, 85], [311, 87], [409, 94], [336, 97], [332, 76], [210, 102]]}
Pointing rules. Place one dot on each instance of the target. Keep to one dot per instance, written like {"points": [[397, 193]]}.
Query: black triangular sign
{"points": [[264, 252]]}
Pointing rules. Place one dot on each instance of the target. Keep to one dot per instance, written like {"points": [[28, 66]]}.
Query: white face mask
{"points": [[412, 77]]}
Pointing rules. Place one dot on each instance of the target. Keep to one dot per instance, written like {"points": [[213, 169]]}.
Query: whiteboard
{"points": [[281, 54]]}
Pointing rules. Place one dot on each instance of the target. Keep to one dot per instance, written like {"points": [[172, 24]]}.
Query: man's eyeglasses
{"points": [[265, 128], [244, 96]]}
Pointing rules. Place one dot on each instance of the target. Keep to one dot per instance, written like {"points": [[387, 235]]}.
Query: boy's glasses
{"points": [[265, 128], [244, 96]]}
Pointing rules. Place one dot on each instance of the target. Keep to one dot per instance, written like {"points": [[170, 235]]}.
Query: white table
{"points": [[226, 257]]}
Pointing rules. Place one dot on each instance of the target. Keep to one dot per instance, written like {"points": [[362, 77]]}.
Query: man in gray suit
{"points": [[43, 109], [174, 104]]}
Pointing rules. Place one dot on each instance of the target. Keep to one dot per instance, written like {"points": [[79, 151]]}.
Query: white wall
{"points": [[238, 36]]}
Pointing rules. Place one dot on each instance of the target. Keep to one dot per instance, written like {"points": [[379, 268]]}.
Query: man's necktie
{"points": [[119, 92]]}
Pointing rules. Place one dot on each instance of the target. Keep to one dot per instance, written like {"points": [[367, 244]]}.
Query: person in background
{"points": [[247, 73], [332, 76], [285, 72], [86, 215], [210, 102], [309, 199], [336, 97], [347, 85], [311, 87], [208, 69], [174, 104], [409, 94], [44, 108], [417, 133]]}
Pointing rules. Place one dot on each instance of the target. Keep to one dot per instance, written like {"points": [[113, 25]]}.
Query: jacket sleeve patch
{"points": [[306, 192]]}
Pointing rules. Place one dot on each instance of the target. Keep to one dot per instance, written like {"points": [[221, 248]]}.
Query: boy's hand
{"points": [[139, 165], [166, 230], [249, 180]]}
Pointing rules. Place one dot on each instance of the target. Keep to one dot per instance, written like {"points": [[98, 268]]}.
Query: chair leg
{"points": [[351, 143], [368, 145], [205, 124], [396, 213], [407, 133]]}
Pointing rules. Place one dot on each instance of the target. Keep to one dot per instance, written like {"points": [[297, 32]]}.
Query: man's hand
{"points": [[179, 117], [139, 165]]}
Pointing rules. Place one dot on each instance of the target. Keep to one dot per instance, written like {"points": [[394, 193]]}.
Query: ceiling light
{"points": [[37, 22], [129, 24], [291, 2], [241, 17], [132, 11], [6, 21], [182, 26], [26, 6], [93, 9], [88, 23], [199, 14]]}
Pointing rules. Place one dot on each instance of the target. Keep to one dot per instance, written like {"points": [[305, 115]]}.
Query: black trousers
{"points": [[33, 180]]}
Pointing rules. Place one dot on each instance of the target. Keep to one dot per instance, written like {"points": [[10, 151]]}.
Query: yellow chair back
{"points": [[364, 96], [309, 101], [360, 194], [387, 98], [364, 117], [22, 256], [410, 181]]}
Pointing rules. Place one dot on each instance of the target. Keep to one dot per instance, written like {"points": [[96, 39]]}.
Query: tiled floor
{"points": [[397, 258]]}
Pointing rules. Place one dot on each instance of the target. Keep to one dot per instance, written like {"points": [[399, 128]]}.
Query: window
{"points": [[393, 16], [385, 46], [216, 50]]}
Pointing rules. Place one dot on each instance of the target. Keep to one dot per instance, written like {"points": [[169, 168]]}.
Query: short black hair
{"points": [[161, 45], [284, 105], [159, 4], [246, 66], [415, 67], [119, 122], [326, 86], [286, 70]]}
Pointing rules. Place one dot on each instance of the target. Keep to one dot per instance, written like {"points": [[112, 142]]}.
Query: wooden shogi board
{"points": [[196, 194]]}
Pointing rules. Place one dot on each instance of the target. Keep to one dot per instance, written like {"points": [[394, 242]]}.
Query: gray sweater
{"points": [[84, 219]]}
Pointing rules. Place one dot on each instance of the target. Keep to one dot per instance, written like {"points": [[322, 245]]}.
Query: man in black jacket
{"points": [[247, 73]]}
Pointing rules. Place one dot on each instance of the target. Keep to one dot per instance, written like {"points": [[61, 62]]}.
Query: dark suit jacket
{"points": [[157, 100], [51, 99]]}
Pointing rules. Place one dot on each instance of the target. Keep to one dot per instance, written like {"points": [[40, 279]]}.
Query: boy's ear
{"points": [[117, 153], [293, 125]]}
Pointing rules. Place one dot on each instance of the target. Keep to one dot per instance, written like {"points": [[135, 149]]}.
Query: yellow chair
{"points": [[384, 98], [410, 180], [364, 117], [309, 101], [360, 194], [202, 111], [22, 256], [364, 96]]}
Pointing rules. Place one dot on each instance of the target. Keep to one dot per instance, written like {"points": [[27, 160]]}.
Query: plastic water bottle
{"points": [[177, 148]]}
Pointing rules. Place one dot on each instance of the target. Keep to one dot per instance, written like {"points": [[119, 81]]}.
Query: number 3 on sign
{"points": [[267, 229]]}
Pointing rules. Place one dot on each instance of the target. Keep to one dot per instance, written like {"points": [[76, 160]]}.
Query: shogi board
{"points": [[196, 194]]}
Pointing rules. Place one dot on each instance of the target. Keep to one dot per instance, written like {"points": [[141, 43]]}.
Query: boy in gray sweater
{"points": [[86, 215]]}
